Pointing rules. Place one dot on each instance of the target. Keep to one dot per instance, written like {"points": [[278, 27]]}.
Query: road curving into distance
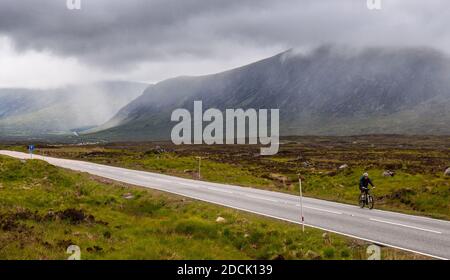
{"points": [[416, 234]]}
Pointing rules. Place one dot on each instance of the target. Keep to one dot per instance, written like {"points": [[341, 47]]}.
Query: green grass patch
{"points": [[44, 209]]}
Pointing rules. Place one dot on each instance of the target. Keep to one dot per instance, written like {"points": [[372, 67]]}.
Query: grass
{"points": [[44, 209], [424, 194], [418, 187]]}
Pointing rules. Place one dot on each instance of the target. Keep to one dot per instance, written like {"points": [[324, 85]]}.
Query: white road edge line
{"points": [[294, 221], [403, 225], [299, 223]]}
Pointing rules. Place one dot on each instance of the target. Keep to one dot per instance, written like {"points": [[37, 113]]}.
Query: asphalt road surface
{"points": [[422, 235]]}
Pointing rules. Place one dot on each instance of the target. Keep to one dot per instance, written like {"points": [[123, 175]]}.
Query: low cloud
{"points": [[151, 40]]}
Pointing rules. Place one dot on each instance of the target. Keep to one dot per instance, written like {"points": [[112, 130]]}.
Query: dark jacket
{"points": [[364, 183]]}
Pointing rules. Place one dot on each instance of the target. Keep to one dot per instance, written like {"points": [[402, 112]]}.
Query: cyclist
{"points": [[364, 183]]}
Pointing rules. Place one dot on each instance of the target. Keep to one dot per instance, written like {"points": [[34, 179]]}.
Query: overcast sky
{"points": [[43, 44]]}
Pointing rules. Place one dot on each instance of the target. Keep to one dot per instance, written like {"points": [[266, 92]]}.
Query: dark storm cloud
{"points": [[115, 31], [121, 33]]}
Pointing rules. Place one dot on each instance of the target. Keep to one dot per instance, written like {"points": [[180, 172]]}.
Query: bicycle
{"points": [[366, 198]]}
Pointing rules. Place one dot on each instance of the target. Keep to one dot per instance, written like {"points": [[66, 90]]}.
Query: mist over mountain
{"points": [[329, 91], [25, 112]]}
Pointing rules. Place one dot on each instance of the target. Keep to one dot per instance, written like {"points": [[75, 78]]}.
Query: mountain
{"points": [[25, 112], [328, 91]]}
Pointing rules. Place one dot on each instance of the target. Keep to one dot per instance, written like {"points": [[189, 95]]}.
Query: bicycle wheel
{"points": [[370, 202], [362, 201]]}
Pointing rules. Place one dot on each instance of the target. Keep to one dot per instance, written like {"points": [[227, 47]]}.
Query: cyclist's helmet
{"points": [[366, 174]]}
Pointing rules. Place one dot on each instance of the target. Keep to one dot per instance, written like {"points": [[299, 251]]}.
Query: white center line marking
{"points": [[402, 225], [219, 190], [189, 185], [146, 178], [162, 180]]}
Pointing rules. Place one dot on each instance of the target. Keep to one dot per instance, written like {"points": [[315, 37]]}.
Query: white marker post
{"points": [[301, 203], [199, 165], [31, 149]]}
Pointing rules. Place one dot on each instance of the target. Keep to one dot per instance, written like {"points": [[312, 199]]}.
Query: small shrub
{"points": [[345, 253], [196, 228], [328, 253]]}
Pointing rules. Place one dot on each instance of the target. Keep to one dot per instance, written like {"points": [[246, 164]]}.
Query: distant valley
{"points": [[46, 113]]}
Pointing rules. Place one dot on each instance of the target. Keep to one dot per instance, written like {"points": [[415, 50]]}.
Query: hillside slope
{"points": [[330, 91]]}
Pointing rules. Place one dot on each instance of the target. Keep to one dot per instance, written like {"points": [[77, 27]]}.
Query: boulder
{"points": [[156, 151], [344, 166], [388, 173], [447, 172], [279, 177], [220, 220], [313, 255], [128, 196], [326, 238]]}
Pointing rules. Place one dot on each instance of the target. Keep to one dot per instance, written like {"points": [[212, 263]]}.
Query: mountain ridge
{"points": [[330, 91]]}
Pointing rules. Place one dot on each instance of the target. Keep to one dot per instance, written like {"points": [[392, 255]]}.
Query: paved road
{"points": [[412, 233]]}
